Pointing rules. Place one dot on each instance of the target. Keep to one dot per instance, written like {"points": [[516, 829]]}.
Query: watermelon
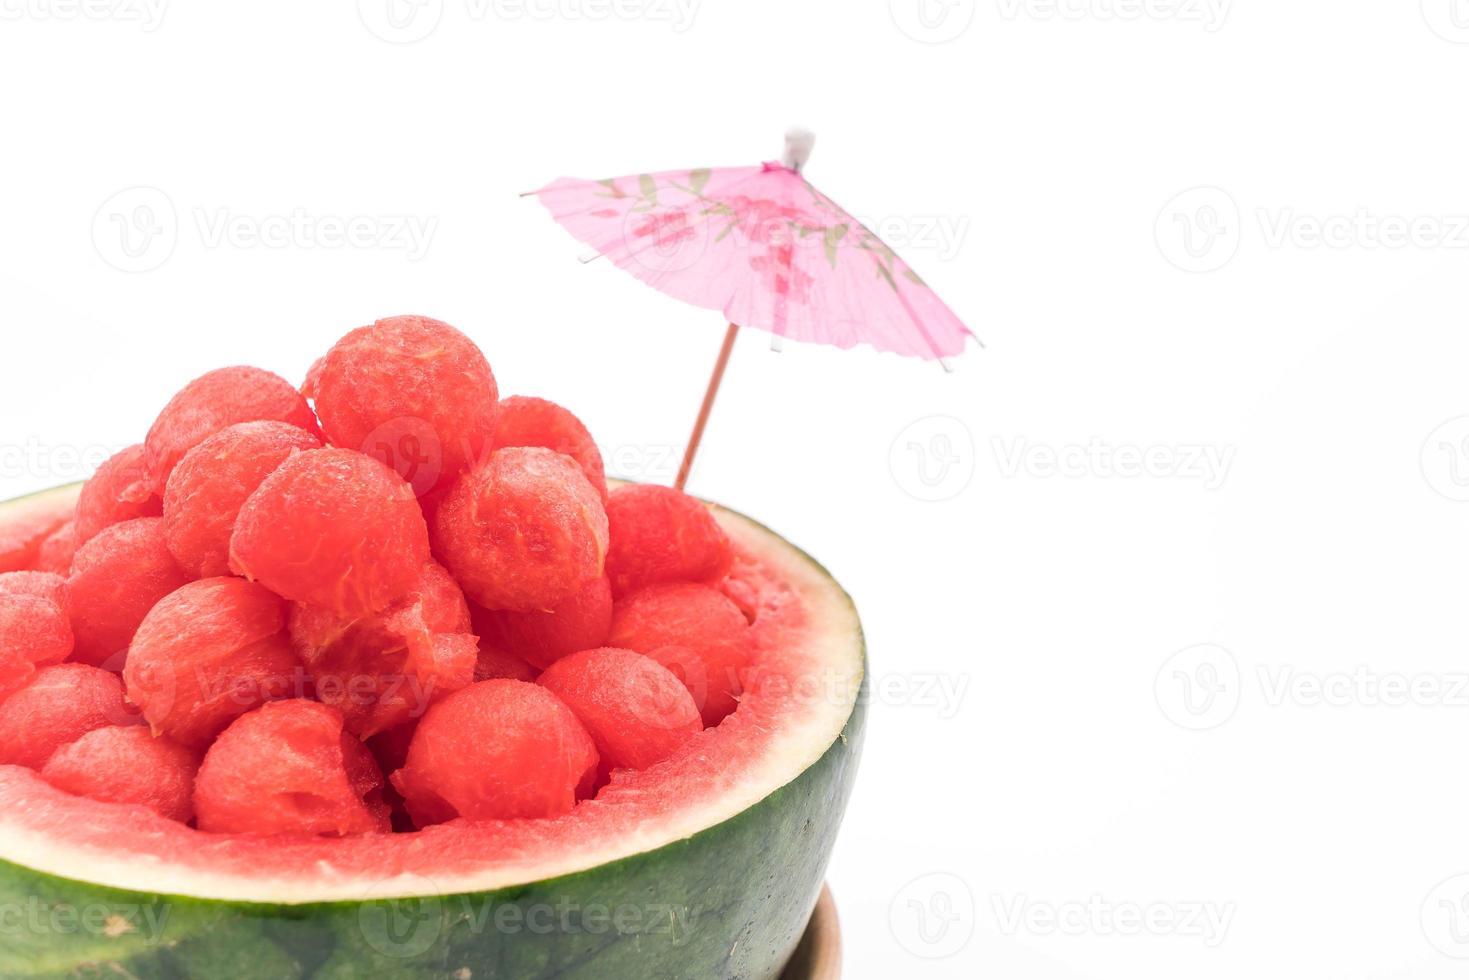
{"points": [[705, 865]]}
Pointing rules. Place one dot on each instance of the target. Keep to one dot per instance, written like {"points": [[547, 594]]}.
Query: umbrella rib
{"points": [[907, 307]]}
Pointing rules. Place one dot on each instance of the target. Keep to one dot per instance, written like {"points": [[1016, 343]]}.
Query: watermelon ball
{"points": [[214, 401], [45, 585], [496, 750], [410, 391], [493, 663], [127, 764], [637, 711], [24, 530], [523, 421], [522, 531], [58, 549], [694, 631], [288, 768], [116, 578], [208, 653], [542, 637], [59, 705], [35, 628], [15, 671], [117, 492], [335, 529], [658, 534], [382, 671], [212, 482]]}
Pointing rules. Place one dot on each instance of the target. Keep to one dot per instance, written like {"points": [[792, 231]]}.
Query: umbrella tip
{"points": [[799, 142]]}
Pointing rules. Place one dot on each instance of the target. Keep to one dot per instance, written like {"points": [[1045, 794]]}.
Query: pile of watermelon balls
{"points": [[256, 624]]}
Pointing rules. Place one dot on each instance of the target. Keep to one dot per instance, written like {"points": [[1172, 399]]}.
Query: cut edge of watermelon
{"points": [[809, 639]]}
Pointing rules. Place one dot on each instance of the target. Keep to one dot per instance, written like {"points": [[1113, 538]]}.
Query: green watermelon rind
{"points": [[730, 901]]}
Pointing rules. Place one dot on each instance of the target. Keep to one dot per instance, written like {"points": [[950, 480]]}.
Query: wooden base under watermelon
{"points": [[706, 866]]}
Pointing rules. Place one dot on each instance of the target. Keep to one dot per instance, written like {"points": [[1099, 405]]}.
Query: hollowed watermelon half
{"points": [[703, 866]]}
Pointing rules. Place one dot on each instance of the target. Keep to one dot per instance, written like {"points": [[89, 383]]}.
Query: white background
{"points": [[1030, 166]]}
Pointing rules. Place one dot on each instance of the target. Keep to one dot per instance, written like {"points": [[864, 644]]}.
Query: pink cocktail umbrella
{"points": [[767, 249]]}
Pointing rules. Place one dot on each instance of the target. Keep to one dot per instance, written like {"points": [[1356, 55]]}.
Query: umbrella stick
{"points": [[703, 419]]}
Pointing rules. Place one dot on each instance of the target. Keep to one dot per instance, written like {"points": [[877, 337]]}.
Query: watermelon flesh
{"points": [[713, 856], [419, 651]]}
